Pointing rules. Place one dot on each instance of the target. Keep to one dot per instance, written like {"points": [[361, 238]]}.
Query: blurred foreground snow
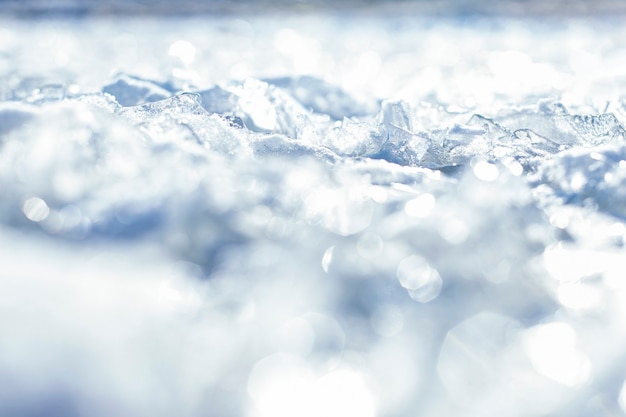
{"points": [[312, 216]]}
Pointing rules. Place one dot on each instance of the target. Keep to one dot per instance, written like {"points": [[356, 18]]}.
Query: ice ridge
{"points": [[295, 232]]}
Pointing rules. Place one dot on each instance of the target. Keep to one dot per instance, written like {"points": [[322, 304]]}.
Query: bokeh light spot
{"points": [[486, 171], [421, 206], [553, 353], [183, 50], [421, 280], [35, 209]]}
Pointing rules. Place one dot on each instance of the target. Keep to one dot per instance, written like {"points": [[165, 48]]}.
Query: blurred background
{"points": [[42, 8]]}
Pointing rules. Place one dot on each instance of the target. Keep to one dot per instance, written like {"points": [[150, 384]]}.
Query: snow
{"points": [[312, 214]]}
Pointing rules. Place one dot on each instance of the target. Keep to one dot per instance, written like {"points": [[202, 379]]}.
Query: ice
{"points": [[589, 177], [354, 138], [323, 97], [551, 120], [261, 106], [312, 214], [131, 91]]}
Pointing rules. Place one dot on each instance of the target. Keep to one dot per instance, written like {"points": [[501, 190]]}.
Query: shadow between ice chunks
{"points": [[130, 90], [322, 97]]}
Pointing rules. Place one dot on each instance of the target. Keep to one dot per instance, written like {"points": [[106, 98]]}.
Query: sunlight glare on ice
{"points": [[183, 50]]}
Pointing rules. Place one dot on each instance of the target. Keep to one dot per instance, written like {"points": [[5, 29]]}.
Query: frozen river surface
{"points": [[312, 215]]}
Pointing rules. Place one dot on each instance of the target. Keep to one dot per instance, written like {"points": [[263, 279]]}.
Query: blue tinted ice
{"points": [[300, 215], [130, 91]]}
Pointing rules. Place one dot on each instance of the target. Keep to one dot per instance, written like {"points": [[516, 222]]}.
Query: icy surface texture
{"points": [[312, 216]]}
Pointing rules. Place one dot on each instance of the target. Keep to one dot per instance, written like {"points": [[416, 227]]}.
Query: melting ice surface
{"points": [[312, 216]]}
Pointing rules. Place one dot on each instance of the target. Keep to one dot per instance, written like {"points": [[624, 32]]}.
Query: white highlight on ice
{"points": [[257, 105]]}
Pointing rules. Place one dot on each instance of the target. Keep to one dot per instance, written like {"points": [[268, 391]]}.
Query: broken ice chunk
{"points": [[354, 138], [183, 117], [491, 128], [462, 142], [525, 146], [435, 148], [460, 131], [179, 106], [548, 119], [262, 107], [322, 97], [455, 145], [396, 115], [598, 129], [409, 151], [527, 141], [129, 90], [551, 120], [617, 107], [401, 145]]}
